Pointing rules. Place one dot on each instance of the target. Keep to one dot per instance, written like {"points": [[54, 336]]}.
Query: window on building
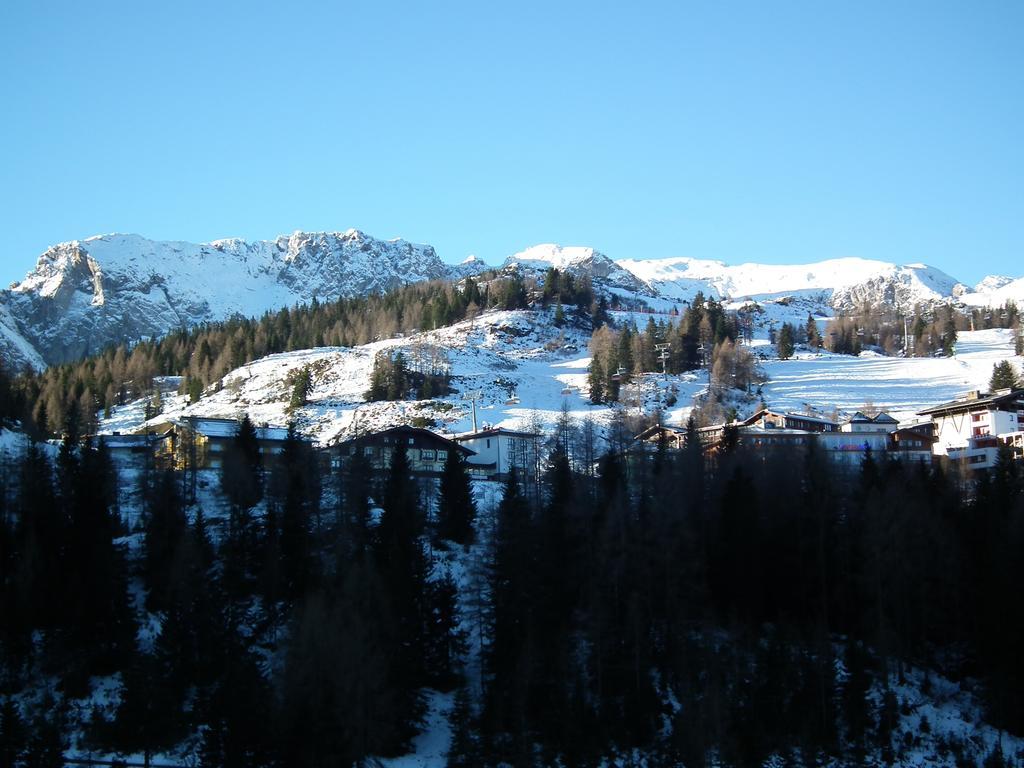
{"points": [[426, 454], [442, 455], [368, 450], [488, 442], [410, 441], [977, 416]]}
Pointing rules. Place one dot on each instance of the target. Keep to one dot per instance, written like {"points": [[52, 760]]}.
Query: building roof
{"points": [[219, 427], [121, 442], [806, 417], [757, 430], [404, 430], [491, 432], [656, 428], [975, 400], [785, 415], [878, 418]]}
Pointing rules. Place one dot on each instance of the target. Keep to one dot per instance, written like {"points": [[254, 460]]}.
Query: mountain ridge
{"points": [[84, 294]]}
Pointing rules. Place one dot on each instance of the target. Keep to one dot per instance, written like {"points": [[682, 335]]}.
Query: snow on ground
{"points": [[523, 370], [497, 356], [902, 386], [935, 711], [430, 747], [12, 443]]}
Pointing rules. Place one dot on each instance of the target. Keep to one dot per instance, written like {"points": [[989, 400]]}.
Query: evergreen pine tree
{"points": [[48, 740], [446, 641], [785, 342], [464, 751], [559, 320], [507, 659], [295, 483], [456, 509], [241, 474], [1004, 376], [166, 525], [149, 718], [238, 714], [402, 564], [14, 734], [813, 336], [300, 389], [595, 380]]}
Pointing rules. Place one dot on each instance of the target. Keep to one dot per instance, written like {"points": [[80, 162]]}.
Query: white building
{"points": [[497, 450], [972, 427]]}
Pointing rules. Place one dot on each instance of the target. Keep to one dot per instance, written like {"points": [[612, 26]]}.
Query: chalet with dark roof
{"points": [[769, 419], [427, 451]]}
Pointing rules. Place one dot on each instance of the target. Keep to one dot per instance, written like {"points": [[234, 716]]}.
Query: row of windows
{"points": [[426, 454]]}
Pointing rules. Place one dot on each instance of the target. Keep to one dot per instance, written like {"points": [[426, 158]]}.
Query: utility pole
{"points": [[662, 350], [473, 396]]}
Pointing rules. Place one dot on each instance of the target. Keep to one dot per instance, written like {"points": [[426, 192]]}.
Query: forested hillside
{"points": [[656, 606]]}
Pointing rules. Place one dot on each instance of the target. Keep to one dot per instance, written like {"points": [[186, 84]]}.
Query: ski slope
{"points": [[902, 386]]}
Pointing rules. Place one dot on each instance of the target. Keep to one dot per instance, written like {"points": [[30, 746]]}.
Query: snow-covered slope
{"points": [[842, 283], [494, 356], [901, 386], [991, 283], [85, 294], [521, 352], [995, 292]]}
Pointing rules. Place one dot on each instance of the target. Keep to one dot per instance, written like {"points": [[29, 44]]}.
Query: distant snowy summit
{"points": [[578, 261], [85, 294]]}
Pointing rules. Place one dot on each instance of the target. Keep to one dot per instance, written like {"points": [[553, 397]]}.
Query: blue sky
{"points": [[776, 132]]}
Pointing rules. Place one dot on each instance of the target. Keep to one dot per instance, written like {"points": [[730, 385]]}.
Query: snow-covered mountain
{"points": [[578, 261], [843, 284], [995, 291], [85, 294]]}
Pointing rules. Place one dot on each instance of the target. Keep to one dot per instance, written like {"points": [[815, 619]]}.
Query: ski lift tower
{"points": [[662, 350], [473, 396]]}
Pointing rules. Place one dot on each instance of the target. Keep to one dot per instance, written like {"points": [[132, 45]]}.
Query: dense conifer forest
{"points": [[690, 608]]}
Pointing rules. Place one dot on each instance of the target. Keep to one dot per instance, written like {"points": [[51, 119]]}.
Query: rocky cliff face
{"points": [[85, 294]]}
